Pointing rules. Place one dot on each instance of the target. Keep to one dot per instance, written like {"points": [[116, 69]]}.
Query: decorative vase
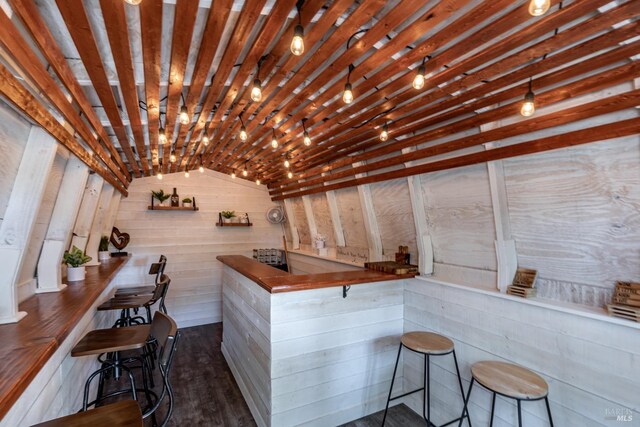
{"points": [[186, 205], [104, 256], [75, 274], [227, 220], [319, 244]]}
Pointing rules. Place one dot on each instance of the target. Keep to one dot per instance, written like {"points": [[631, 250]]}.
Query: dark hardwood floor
{"points": [[206, 393]]}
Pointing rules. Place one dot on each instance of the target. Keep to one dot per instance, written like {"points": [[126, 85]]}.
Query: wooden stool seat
{"points": [[112, 340], [510, 380], [122, 414], [122, 303], [427, 343], [135, 291]]}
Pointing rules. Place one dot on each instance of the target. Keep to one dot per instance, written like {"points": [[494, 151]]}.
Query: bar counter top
{"points": [[276, 281], [28, 344]]}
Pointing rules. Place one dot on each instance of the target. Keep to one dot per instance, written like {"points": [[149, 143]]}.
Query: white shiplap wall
{"points": [[190, 240]]}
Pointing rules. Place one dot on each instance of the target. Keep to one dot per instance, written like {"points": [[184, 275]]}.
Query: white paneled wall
{"points": [[190, 240]]}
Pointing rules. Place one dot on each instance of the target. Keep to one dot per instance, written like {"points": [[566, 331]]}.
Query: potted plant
{"points": [[320, 241], [160, 196], [75, 260], [227, 216], [186, 202], [103, 249]]}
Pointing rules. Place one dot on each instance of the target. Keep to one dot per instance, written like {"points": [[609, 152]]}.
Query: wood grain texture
{"points": [[352, 219], [510, 380], [51, 318], [302, 225], [120, 414], [322, 217]]}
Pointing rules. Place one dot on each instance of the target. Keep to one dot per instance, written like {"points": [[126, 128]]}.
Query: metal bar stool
{"points": [[121, 414], [128, 303], [157, 269], [509, 380], [428, 344]]}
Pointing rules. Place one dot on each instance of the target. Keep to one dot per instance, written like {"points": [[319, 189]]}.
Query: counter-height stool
{"points": [[128, 303], [121, 414], [157, 269], [509, 380], [428, 344]]}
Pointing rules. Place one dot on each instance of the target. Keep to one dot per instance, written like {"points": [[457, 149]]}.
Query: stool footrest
{"points": [[407, 393]]}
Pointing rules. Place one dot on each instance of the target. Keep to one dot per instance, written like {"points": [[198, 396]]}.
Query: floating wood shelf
{"points": [[234, 224], [171, 208]]}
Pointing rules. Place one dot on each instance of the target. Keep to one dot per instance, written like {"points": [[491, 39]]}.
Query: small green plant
{"points": [[228, 214], [160, 196], [75, 257], [186, 200], [104, 244]]}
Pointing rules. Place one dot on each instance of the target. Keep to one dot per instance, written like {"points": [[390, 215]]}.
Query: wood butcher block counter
{"points": [[26, 346], [275, 281], [301, 351]]}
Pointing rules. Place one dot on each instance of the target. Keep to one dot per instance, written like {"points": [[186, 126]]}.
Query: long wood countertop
{"points": [[275, 281], [27, 345]]}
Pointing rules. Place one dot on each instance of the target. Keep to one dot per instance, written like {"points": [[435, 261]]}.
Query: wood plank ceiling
{"points": [[107, 78]]}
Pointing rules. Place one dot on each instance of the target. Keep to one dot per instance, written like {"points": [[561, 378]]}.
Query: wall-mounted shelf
{"points": [[221, 223], [172, 208]]}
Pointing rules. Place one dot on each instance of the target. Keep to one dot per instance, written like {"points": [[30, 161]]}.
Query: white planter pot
{"points": [[319, 244], [227, 220], [104, 256], [75, 274], [186, 205]]}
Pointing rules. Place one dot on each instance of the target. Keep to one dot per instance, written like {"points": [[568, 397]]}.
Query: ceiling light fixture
{"points": [[233, 174], [162, 136], [384, 134], [186, 173], [529, 103], [257, 181], [290, 174], [418, 80], [201, 168], [347, 94], [205, 137], [305, 136], [159, 175], [245, 172], [256, 91], [184, 114], [274, 140], [172, 157], [539, 7], [297, 43], [243, 130], [286, 160], [135, 3]]}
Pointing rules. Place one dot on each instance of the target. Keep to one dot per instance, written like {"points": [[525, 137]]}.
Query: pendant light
{"points": [[286, 161], [245, 172], [290, 174], [274, 140], [528, 104], [233, 174], [418, 80], [243, 130], [539, 7], [162, 136], [172, 157], [184, 114], [347, 94], [205, 139], [305, 136], [256, 90], [257, 181], [135, 3], [384, 134], [201, 168], [159, 174], [297, 42], [186, 173]]}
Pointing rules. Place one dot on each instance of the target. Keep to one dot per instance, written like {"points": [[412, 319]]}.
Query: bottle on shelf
{"points": [[175, 200]]}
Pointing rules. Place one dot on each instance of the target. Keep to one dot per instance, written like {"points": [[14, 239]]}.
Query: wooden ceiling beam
{"points": [[569, 139], [313, 36], [77, 21], [35, 25], [597, 82], [20, 97], [19, 50], [151, 36], [115, 21]]}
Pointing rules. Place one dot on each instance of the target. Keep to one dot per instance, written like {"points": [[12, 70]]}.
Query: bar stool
{"points": [[428, 344], [128, 303], [121, 414], [509, 380], [156, 268]]}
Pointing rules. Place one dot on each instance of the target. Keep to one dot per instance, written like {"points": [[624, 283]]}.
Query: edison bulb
{"points": [[162, 136], [184, 115], [243, 133], [186, 174], [205, 140], [297, 43], [233, 175], [159, 175], [172, 158], [307, 139], [245, 173], [286, 163], [418, 80], [258, 181], [528, 105], [290, 174], [256, 91], [384, 135], [201, 169], [347, 95], [135, 3], [274, 142], [539, 7]]}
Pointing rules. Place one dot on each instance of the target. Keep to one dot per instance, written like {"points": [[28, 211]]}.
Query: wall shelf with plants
{"points": [[158, 199], [229, 219]]}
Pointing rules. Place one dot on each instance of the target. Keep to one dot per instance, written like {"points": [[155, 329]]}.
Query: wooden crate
{"points": [[624, 312], [525, 278], [391, 267], [521, 291], [626, 301]]}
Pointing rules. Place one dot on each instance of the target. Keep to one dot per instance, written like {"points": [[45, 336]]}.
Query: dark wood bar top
{"points": [[27, 345], [275, 281]]}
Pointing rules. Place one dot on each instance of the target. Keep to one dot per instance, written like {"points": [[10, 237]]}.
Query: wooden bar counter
{"points": [[300, 351], [26, 346]]}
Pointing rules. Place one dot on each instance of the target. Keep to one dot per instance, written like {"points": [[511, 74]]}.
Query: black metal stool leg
{"points": [[393, 378], [466, 402], [425, 390], [455, 361], [546, 401], [519, 414], [493, 407]]}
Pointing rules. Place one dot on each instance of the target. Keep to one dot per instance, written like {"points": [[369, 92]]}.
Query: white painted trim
{"points": [[20, 216], [374, 240], [338, 232], [99, 219], [87, 212], [308, 210], [291, 220]]}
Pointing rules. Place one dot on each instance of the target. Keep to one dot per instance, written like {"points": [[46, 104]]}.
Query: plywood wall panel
{"points": [[322, 217], [301, 222], [355, 234]]}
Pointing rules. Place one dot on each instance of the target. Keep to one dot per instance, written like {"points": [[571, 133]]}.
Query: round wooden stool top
{"points": [[427, 343], [121, 414], [510, 380]]}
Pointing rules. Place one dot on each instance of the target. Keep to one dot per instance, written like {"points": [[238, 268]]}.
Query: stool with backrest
{"points": [[157, 269], [128, 303], [509, 380], [121, 414], [428, 344]]}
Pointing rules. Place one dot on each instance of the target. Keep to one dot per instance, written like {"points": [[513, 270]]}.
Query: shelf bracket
{"points": [[345, 289]]}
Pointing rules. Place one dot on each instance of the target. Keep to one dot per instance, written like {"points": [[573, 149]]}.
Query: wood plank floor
{"points": [[206, 393]]}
